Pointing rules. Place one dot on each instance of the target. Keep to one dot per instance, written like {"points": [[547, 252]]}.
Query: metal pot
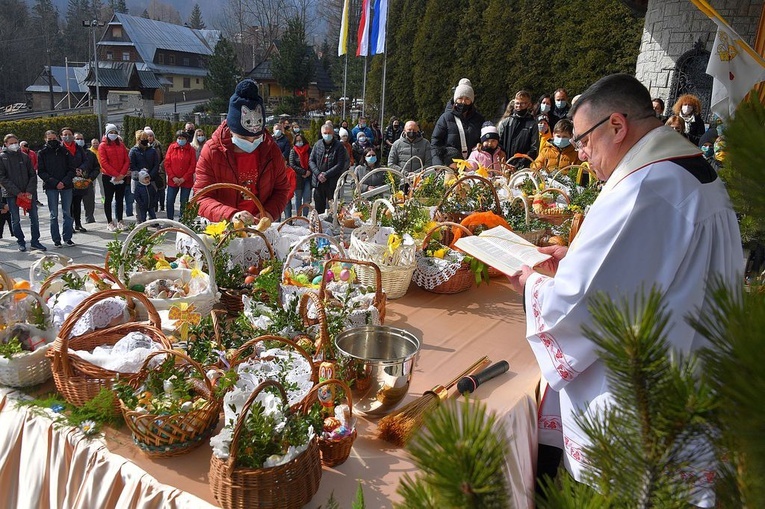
{"points": [[382, 359]]}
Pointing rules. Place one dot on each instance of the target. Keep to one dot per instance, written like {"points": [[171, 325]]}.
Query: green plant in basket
{"points": [[429, 190], [132, 260]]}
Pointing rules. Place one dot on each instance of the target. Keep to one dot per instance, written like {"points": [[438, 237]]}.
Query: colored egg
{"points": [[347, 265], [316, 280], [345, 275], [138, 288], [174, 265], [303, 279], [330, 276]]}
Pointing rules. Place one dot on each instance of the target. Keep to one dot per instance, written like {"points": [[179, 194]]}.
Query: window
{"points": [[109, 55], [160, 58], [186, 82], [171, 59], [186, 61], [117, 32], [126, 56], [197, 81], [172, 81]]}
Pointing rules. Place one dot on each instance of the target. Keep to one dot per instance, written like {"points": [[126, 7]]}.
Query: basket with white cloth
{"points": [[447, 273]]}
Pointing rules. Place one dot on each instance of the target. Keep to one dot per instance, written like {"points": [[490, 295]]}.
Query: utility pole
{"points": [[93, 24], [50, 75]]}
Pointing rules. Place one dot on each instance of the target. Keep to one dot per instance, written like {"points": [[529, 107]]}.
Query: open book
{"points": [[502, 249]]}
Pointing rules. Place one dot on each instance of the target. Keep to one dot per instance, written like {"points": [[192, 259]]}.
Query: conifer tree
{"points": [[223, 74], [293, 65], [195, 18], [77, 37]]}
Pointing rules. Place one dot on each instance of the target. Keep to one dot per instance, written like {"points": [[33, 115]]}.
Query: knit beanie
{"points": [[246, 114], [142, 175], [148, 131], [489, 133], [464, 89], [343, 132], [110, 127], [708, 137]]}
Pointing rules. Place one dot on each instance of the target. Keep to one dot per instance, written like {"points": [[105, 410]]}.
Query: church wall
{"points": [[673, 26]]}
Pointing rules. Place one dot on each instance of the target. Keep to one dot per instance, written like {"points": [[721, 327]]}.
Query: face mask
{"points": [[53, 143], [560, 104], [299, 144], [362, 139], [144, 143], [80, 143], [277, 133], [521, 113], [459, 108], [13, 147], [544, 107], [489, 149], [371, 159], [112, 136], [708, 150], [200, 139], [561, 142], [67, 139], [327, 138], [542, 128], [719, 130], [295, 129], [362, 124], [247, 146], [413, 135], [687, 109], [181, 142]]}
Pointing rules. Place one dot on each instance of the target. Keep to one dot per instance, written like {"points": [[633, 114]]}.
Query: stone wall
{"points": [[672, 27]]}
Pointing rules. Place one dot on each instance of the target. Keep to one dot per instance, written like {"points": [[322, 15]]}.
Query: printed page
{"points": [[502, 249]]}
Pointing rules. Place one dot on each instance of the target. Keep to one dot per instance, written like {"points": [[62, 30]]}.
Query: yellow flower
{"points": [[217, 229], [462, 165], [440, 253], [482, 171], [195, 272], [394, 242]]}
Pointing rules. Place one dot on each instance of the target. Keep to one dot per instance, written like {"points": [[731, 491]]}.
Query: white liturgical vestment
{"points": [[655, 223]]}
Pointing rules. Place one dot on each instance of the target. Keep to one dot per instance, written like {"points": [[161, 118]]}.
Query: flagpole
{"points": [[345, 85], [385, 69], [364, 89]]}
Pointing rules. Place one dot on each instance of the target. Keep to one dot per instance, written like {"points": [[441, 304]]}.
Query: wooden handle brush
{"points": [[398, 427]]}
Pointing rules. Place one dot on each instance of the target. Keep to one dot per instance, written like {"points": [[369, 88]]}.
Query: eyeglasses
{"points": [[577, 141]]}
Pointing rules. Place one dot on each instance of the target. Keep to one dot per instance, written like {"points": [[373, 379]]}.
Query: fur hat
{"points": [[464, 89], [246, 114], [489, 133]]}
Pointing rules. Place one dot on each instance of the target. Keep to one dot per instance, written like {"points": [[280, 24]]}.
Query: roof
{"points": [[123, 75], [174, 69], [148, 35], [76, 79], [264, 72]]}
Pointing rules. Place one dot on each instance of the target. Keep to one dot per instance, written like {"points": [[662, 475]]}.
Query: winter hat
{"points": [[142, 175], [110, 127], [464, 89], [343, 132], [489, 133], [148, 131], [708, 137], [246, 114]]}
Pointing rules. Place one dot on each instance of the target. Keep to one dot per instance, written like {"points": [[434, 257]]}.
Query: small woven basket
{"points": [[460, 281], [164, 436], [380, 299], [26, 369], [287, 486], [231, 298], [46, 290], [456, 217], [6, 283], [78, 380], [245, 352], [293, 257], [333, 451]]}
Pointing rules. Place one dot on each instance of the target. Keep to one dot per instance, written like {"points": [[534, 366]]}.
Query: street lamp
{"points": [[92, 24]]}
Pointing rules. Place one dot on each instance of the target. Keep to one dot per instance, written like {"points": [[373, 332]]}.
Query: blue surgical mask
{"points": [[181, 142], [708, 150], [719, 130], [561, 142], [247, 146], [328, 137], [296, 129], [277, 133], [80, 143], [560, 104], [371, 159], [200, 139], [544, 107]]}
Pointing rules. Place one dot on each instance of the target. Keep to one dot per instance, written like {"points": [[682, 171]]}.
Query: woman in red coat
{"points": [[242, 152], [180, 161], [115, 166]]}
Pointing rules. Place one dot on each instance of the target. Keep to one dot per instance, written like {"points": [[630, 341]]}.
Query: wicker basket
{"points": [[202, 302], [553, 215], [396, 269], [231, 298], [46, 290], [80, 381], [333, 451], [380, 299], [536, 237], [340, 220], [292, 258], [287, 486], [456, 217], [225, 185], [26, 369], [164, 436], [457, 280], [6, 283]]}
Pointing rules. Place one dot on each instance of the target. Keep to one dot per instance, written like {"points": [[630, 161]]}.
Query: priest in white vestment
{"points": [[662, 219]]}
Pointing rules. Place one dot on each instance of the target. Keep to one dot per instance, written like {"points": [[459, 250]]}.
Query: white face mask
{"points": [[687, 109], [80, 143], [560, 104], [112, 136], [544, 107], [277, 133], [13, 147], [247, 146], [298, 143]]}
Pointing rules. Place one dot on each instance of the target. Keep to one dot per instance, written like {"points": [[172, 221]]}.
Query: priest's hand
{"points": [[550, 267], [518, 282]]}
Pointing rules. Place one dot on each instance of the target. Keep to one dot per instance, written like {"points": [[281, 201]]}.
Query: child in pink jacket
{"points": [[487, 153]]}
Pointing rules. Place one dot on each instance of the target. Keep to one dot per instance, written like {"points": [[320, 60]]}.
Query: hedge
{"points": [[164, 130], [33, 129]]}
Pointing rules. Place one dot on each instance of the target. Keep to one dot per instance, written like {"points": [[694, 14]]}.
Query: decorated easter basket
{"points": [[456, 194], [306, 258], [172, 434], [356, 316], [342, 211], [26, 368], [44, 266], [6, 283], [255, 253], [334, 450], [287, 486], [203, 301], [441, 275], [79, 380]]}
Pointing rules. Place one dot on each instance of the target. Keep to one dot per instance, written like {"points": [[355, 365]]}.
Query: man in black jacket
{"points": [[54, 169], [518, 133], [328, 160], [19, 179], [458, 129]]}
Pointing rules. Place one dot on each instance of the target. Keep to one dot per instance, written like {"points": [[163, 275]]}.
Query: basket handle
{"points": [[37, 296], [477, 178], [81, 266], [379, 296], [246, 229], [556, 190], [525, 207], [293, 218], [375, 171], [376, 205], [433, 230], [338, 190], [144, 371], [313, 394], [333, 241], [239, 353], [184, 229], [519, 177], [159, 232], [323, 341], [409, 163], [243, 416], [7, 282], [225, 185]]}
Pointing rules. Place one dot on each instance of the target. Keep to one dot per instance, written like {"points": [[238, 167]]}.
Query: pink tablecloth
{"points": [[43, 466]]}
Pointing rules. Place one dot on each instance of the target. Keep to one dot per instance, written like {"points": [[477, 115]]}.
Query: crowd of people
{"points": [[138, 177]]}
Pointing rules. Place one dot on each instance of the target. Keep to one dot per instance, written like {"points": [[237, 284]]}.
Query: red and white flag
{"points": [[362, 49]]}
